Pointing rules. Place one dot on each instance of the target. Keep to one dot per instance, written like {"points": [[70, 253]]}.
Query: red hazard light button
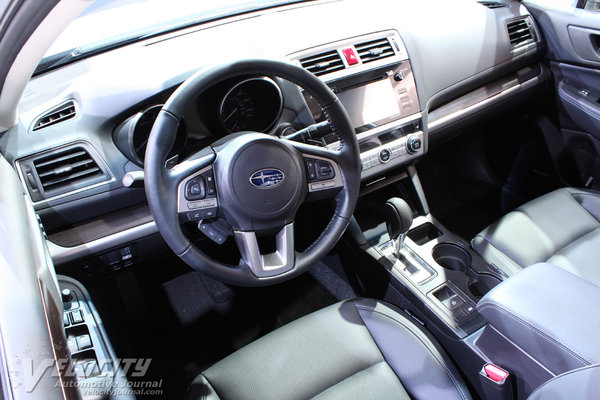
{"points": [[350, 56], [495, 373]]}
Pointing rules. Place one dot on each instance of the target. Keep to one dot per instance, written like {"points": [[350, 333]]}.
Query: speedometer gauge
{"points": [[251, 105], [238, 110]]}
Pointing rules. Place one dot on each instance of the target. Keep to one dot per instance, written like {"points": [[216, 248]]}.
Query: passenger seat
{"points": [[561, 228]]}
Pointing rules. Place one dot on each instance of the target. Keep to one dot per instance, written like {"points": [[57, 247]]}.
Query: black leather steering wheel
{"points": [[260, 180]]}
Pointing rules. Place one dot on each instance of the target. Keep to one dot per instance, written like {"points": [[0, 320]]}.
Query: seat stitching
{"points": [[532, 326], [562, 375], [424, 340], [348, 377]]}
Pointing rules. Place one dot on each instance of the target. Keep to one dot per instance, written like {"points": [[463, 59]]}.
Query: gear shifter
{"points": [[399, 218]]}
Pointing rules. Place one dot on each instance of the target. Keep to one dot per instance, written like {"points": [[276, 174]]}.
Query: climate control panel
{"points": [[391, 149]]}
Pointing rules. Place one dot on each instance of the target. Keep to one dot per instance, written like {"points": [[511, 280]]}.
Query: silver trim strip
{"points": [[441, 122], [61, 255]]}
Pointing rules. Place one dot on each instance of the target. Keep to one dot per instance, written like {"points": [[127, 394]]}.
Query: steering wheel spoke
{"points": [[272, 264]]}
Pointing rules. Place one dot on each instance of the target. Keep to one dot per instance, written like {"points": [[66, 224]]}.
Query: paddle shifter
{"points": [[399, 218]]}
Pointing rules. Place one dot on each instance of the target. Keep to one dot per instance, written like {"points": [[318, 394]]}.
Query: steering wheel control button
{"points": [[413, 144], [385, 156], [321, 185], [311, 170], [324, 170], [210, 184], [216, 231], [195, 189]]}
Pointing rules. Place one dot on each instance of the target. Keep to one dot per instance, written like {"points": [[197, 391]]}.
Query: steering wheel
{"points": [[256, 182]]}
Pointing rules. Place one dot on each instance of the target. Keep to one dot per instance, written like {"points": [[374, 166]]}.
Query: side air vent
{"points": [[323, 63], [374, 50], [58, 114], [61, 171], [492, 4], [519, 32]]}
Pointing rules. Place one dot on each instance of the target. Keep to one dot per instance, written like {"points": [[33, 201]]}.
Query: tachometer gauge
{"points": [[251, 105]]}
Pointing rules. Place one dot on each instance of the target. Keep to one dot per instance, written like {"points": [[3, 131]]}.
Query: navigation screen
{"points": [[369, 105]]}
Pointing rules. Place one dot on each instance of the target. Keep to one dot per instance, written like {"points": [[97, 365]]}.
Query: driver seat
{"points": [[355, 349]]}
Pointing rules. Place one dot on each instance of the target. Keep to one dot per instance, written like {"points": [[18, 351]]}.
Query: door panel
{"points": [[573, 39]]}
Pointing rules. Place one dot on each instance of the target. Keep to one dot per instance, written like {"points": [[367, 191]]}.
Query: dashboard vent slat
{"points": [[492, 4], [61, 113], [323, 63], [66, 167], [374, 50], [519, 32]]}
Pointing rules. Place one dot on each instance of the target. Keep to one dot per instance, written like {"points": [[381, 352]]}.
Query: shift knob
{"points": [[399, 218]]}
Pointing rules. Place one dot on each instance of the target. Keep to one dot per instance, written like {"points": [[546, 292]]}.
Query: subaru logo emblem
{"points": [[267, 178]]}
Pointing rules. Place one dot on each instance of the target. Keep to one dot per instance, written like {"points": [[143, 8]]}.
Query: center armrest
{"points": [[550, 313]]}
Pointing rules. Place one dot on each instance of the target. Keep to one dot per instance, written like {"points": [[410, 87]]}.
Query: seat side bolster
{"points": [[588, 199], [421, 366]]}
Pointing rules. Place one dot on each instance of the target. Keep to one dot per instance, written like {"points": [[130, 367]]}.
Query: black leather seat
{"points": [[560, 228], [356, 349]]}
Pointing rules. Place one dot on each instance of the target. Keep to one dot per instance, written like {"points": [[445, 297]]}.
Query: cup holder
{"points": [[452, 256]]}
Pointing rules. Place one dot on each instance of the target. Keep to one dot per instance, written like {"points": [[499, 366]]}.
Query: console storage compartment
{"points": [[546, 312]]}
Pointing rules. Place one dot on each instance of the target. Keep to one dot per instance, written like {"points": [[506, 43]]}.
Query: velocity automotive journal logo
{"points": [[89, 375]]}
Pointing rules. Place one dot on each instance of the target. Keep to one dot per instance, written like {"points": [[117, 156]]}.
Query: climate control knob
{"points": [[413, 144]]}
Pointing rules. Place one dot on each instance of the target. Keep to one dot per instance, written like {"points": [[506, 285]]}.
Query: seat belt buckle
{"points": [[496, 383]]}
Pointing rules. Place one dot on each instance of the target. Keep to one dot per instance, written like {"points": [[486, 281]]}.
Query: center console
{"points": [[372, 76]]}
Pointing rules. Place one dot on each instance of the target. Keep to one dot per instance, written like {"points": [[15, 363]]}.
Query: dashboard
{"points": [[405, 71]]}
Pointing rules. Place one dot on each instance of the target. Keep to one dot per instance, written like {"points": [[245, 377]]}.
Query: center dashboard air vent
{"points": [[520, 32], [58, 114], [374, 50], [492, 4], [323, 63], [61, 171]]}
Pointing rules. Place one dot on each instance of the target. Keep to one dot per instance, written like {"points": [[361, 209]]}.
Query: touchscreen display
{"points": [[369, 106]]}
